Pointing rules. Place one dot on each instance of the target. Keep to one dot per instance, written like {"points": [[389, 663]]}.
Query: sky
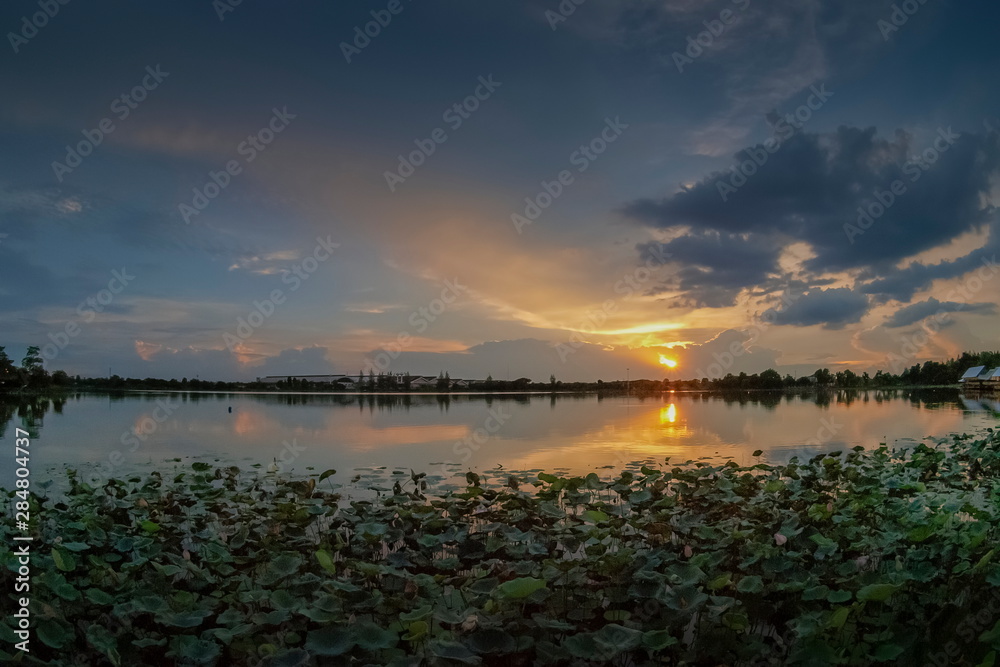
{"points": [[522, 188]]}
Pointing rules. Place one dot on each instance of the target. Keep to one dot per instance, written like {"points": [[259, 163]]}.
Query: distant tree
{"points": [[32, 359], [882, 379], [8, 372], [60, 378], [934, 372], [823, 376], [770, 379], [521, 384], [35, 373]]}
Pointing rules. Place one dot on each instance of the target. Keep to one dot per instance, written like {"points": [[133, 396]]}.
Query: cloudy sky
{"points": [[505, 188]]}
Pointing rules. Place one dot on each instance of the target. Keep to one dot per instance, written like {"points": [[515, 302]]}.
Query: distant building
{"points": [[273, 379], [980, 377], [355, 381]]}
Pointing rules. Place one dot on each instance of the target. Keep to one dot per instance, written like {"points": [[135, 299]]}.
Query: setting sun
{"points": [[668, 362]]}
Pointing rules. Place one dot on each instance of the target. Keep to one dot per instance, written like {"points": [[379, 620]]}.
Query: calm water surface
{"points": [[576, 434]]}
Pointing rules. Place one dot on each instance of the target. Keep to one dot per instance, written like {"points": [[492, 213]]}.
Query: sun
{"points": [[666, 361]]}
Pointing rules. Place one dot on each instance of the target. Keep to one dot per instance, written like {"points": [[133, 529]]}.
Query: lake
{"points": [[117, 433]]}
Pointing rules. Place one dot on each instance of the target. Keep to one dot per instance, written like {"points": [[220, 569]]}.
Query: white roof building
{"points": [[972, 374]]}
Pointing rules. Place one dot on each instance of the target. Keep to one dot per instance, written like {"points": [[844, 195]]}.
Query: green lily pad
{"points": [[521, 587], [877, 592], [330, 641]]}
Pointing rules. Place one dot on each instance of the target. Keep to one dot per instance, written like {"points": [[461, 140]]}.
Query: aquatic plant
{"points": [[855, 558]]}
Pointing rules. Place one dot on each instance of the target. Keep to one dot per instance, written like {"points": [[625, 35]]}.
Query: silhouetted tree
{"points": [[770, 379], [8, 372], [35, 374]]}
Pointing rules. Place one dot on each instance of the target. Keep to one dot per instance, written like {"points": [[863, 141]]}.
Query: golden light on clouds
{"points": [[639, 329], [146, 351]]}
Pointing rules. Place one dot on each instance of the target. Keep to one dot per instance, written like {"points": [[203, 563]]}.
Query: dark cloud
{"points": [[833, 308], [715, 267], [812, 189], [902, 284], [923, 309], [814, 185]]}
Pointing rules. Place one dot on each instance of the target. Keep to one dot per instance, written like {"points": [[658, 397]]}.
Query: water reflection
{"points": [[668, 415], [27, 412], [552, 432]]}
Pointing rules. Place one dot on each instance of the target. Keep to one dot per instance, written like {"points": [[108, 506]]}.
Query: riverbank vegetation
{"points": [[31, 376], [856, 558]]}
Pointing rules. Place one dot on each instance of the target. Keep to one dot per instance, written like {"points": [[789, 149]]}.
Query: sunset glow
{"points": [[668, 415], [416, 219]]}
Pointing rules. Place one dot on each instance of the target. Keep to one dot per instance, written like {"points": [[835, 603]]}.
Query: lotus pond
{"points": [[856, 558]]}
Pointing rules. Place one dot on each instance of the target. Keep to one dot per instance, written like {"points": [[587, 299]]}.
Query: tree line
{"points": [[32, 375], [928, 373]]}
